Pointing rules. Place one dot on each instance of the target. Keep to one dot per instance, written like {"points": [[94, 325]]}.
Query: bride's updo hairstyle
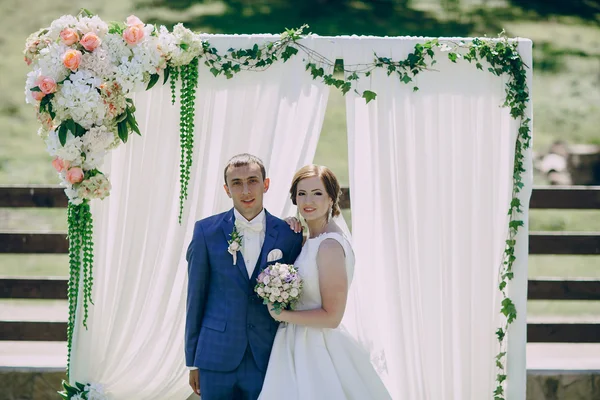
{"points": [[332, 186]]}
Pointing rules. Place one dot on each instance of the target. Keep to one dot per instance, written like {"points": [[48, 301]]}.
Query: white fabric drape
{"points": [[134, 345], [431, 182]]}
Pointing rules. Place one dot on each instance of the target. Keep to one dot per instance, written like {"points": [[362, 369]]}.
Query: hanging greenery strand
{"points": [[189, 84]]}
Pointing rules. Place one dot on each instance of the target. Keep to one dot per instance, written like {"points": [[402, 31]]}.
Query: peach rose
{"points": [[90, 41], [74, 175], [60, 165], [38, 96], [28, 60], [69, 36], [47, 85], [133, 35], [72, 59], [132, 20]]}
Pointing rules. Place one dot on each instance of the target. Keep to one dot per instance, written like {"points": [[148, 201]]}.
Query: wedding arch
{"points": [[439, 134]]}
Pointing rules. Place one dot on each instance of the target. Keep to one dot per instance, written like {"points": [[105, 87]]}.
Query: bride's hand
{"points": [[294, 224], [274, 315]]}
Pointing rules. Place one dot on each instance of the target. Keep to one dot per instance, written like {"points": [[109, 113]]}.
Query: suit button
{"points": [[250, 326]]}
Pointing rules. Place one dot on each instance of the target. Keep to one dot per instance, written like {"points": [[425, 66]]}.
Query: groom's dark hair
{"points": [[242, 160]]}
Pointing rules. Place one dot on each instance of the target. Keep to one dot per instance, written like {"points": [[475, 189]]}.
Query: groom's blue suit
{"points": [[227, 326]]}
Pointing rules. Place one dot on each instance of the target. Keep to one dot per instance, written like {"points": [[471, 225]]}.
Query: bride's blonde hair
{"points": [[332, 186]]}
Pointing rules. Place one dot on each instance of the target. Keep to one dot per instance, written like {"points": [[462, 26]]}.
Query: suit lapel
{"points": [[227, 225], [271, 234]]}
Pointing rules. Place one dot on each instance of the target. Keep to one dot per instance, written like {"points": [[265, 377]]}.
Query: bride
{"points": [[312, 356]]}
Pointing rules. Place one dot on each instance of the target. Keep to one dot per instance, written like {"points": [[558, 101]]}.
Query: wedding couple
{"points": [[236, 347]]}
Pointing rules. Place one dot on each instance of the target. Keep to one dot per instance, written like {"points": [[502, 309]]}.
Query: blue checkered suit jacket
{"points": [[224, 314]]}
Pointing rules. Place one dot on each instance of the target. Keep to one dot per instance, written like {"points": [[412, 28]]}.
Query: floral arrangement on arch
{"points": [[83, 69]]}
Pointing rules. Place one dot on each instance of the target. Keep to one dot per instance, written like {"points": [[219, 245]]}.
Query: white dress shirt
{"points": [[253, 233]]}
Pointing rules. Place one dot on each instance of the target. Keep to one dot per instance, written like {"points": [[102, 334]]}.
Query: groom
{"points": [[229, 332]]}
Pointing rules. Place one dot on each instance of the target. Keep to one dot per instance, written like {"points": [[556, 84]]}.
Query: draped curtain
{"points": [[431, 182], [134, 344]]}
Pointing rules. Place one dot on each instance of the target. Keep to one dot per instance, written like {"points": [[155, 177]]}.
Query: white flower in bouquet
{"points": [[71, 193], [95, 391], [57, 26], [99, 63], [98, 138], [71, 151], [94, 160], [275, 284], [79, 99], [77, 397], [96, 187], [92, 24], [181, 46], [50, 61], [34, 44], [116, 48]]}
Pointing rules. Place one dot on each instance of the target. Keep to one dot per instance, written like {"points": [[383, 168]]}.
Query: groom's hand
{"points": [[195, 381], [294, 224]]}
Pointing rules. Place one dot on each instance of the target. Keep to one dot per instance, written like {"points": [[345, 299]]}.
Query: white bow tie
{"points": [[243, 225]]}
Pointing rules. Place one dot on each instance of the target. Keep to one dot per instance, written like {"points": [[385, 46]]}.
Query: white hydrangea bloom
{"points": [[50, 62], [92, 24], [99, 63], [66, 21], [78, 99]]}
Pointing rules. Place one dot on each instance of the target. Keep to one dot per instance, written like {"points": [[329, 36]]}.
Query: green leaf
{"points": [[479, 66], [71, 126], [36, 89], [184, 46], [153, 80], [406, 78], [62, 134], [288, 52], [122, 131], [166, 74], [116, 28], [415, 89], [452, 57], [215, 71], [133, 124], [49, 107], [369, 95]]}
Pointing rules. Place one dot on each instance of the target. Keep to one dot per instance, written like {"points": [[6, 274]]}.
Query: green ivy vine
{"points": [[81, 261]]}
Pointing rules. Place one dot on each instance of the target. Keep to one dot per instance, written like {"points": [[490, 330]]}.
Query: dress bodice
{"points": [[306, 263]]}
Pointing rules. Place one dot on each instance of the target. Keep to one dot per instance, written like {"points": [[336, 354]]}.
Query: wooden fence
{"points": [[575, 198]]}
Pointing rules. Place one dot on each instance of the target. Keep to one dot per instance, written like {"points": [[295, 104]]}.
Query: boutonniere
{"points": [[235, 244]]}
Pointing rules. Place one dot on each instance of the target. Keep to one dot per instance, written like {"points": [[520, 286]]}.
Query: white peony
{"points": [[285, 295], [294, 292]]}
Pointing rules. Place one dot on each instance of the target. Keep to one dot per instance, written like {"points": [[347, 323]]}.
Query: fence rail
{"points": [[574, 243]]}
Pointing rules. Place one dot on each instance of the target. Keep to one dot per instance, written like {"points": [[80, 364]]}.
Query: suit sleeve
{"points": [[296, 247], [197, 291]]}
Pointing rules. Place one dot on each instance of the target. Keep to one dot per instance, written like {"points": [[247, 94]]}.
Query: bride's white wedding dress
{"points": [[313, 363]]}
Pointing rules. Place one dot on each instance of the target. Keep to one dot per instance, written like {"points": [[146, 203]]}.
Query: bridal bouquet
{"points": [[280, 285]]}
